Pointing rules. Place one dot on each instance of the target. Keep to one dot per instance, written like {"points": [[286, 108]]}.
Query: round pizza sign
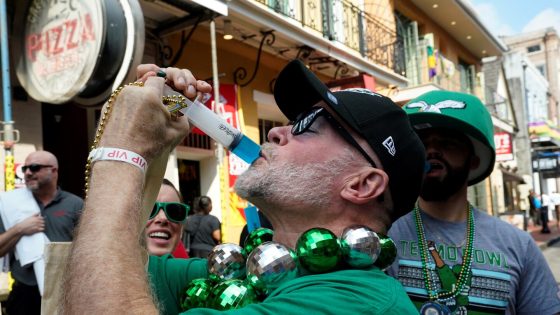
{"points": [[62, 43], [78, 49]]}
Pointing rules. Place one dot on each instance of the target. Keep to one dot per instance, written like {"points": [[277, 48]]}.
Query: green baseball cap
{"points": [[461, 112]]}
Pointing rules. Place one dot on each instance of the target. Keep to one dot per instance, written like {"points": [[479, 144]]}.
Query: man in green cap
{"points": [[453, 258]]}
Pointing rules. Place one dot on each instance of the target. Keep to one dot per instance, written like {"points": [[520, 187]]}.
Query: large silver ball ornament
{"points": [[226, 261], [272, 264], [361, 246]]}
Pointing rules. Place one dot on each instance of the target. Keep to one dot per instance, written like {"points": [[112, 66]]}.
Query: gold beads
{"points": [[174, 103], [101, 128]]}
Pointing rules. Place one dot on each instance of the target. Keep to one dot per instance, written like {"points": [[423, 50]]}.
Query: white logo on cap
{"points": [[363, 91], [436, 108], [389, 144], [332, 98]]}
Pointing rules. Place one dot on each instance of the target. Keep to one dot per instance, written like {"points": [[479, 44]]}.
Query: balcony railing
{"points": [[195, 140], [448, 76], [497, 105], [344, 22]]}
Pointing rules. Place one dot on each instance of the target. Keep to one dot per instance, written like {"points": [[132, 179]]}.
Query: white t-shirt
{"points": [[555, 198], [545, 200]]}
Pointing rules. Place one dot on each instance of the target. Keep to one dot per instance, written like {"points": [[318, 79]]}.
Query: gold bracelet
{"points": [[174, 103]]}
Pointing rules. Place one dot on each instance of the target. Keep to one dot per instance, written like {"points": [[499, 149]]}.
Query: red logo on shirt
{"points": [[59, 213]]}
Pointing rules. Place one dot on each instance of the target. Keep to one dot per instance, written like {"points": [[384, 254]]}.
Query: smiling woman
{"points": [[165, 225]]}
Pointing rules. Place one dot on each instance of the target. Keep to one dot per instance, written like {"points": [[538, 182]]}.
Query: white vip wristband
{"points": [[116, 154]]}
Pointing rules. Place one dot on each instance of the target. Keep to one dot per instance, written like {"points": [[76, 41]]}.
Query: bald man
{"points": [[59, 214]]}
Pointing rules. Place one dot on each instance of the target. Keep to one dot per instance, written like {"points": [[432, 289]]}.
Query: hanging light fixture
{"points": [[228, 34]]}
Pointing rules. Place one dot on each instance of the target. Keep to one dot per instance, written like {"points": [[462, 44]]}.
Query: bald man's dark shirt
{"points": [[61, 217]]}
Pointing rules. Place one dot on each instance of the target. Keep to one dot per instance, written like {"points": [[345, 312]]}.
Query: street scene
{"points": [[267, 156]]}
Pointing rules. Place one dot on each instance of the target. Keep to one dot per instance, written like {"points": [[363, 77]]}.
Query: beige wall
{"points": [[442, 40], [549, 56], [231, 55]]}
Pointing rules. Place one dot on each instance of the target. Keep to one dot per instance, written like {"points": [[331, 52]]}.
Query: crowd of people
{"points": [[348, 159]]}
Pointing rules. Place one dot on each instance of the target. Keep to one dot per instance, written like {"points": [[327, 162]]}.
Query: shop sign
{"points": [[74, 48], [62, 42], [504, 146], [545, 164]]}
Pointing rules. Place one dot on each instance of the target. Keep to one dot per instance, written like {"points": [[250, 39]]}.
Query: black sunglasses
{"points": [[175, 211], [34, 167], [306, 119]]}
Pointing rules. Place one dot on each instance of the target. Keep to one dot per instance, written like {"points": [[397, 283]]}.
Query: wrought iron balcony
{"points": [[195, 140], [446, 74], [344, 22], [497, 105]]}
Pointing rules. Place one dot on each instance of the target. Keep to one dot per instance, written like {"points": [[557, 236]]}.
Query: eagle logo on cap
{"points": [[437, 107]]}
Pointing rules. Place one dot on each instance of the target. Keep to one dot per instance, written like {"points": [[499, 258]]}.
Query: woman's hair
{"points": [[167, 182], [203, 205]]}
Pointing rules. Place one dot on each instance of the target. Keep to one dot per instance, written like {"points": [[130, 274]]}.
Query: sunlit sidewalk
{"points": [[543, 240]]}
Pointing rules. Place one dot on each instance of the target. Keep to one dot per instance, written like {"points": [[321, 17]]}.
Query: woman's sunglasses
{"points": [[306, 119], [175, 212]]}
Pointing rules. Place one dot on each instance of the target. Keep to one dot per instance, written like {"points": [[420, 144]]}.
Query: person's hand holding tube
{"points": [[139, 120]]}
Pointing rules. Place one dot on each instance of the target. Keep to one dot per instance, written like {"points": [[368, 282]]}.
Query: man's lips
{"points": [[436, 166], [262, 155]]}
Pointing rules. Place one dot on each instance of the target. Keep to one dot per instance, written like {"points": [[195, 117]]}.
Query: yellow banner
{"points": [[10, 173]]}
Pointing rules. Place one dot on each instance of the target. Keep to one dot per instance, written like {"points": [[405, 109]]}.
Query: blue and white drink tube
{"points": [[221, 131]]}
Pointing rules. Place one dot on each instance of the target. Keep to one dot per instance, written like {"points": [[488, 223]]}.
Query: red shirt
{"points": [[180, 251]]}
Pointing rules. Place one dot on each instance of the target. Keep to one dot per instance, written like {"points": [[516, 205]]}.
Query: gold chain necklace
{"points": [[441, 239], [174, 103]]}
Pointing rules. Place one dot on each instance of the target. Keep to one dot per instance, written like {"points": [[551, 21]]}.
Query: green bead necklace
{"points": [[241, 276], [466, 265]]}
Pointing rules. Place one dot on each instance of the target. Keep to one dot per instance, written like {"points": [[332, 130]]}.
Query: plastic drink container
{"points": [[221, 131]]}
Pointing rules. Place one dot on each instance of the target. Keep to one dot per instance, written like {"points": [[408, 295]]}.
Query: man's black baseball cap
{"points": [[382, 123]]}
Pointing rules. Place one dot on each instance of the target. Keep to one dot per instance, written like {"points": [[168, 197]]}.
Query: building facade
{"points": [[397, 48]]}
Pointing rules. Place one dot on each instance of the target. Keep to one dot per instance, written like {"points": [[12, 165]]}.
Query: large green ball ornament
{"points": [[231, 294], [226, 261], [196, 294], [258, 285], [256, 238], [318, 250], [388, 252], [271, 264], [361, 246]]}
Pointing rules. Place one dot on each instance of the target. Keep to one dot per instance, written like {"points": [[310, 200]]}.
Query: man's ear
{"points": [[365, 186]]}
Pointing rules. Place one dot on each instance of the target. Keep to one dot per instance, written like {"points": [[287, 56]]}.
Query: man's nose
{"points": [[432, 149], [279, 135]]}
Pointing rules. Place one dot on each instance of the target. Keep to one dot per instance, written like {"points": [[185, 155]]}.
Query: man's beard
{"points": [[288, 184], [435, 189], [38, 184]]}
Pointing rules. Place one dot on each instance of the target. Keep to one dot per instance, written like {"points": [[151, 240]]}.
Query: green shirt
{"points": [[350, 291]]}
